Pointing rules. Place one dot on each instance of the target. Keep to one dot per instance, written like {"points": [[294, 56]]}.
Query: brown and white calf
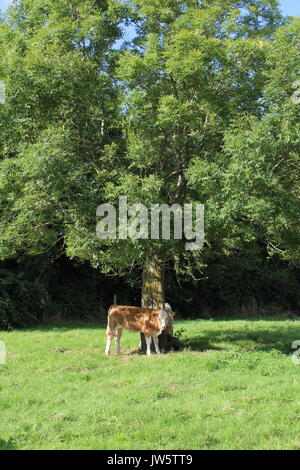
{"points": [[134, 319]]}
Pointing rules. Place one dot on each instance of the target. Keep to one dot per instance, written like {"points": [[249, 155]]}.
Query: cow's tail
{"points": [[108, 315], [110, 323], [109, 310]]}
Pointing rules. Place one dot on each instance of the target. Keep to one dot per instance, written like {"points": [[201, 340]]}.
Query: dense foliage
{"points": [[195, 108]]}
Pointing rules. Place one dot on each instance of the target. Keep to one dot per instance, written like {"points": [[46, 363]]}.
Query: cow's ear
{"points": [[171, 314]]}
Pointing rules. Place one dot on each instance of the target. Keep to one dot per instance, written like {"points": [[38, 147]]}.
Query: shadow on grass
{"points": [[201, 343], [7, 445], [259, 339]]}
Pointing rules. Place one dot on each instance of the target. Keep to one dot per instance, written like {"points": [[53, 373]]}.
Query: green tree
{"points": [[262, 182], [61, 113], [193, 69]]}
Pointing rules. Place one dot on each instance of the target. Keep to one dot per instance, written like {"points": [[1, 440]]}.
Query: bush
{"points": [[22, 302]]}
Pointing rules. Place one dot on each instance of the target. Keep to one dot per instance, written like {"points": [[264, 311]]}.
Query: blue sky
{"points": [[289, 7], [3, 4]]}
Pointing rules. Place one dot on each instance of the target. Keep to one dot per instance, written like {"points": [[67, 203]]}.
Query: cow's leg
{"points": [[148, 342], [118, 340], [109, 335], [155, 340]]}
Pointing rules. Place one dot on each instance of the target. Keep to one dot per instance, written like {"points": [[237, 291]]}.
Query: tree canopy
{"points": [[196, 108]]}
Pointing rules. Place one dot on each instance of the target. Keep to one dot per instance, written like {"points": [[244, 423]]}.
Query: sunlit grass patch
{"points": [[233, 386]]}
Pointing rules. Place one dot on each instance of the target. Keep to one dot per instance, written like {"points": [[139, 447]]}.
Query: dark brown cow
{"points": [[141, 320]]}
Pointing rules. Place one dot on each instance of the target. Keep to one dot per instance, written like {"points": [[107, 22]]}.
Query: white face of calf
{"points": [[163, 318]]}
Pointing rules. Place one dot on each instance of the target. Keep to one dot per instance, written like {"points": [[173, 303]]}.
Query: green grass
{"points": [[234, 386]]}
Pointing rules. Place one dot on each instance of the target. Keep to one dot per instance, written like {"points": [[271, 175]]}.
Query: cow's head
{"points": [[164, 318]]}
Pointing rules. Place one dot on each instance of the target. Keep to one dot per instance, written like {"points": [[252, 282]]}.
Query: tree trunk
{"points": [[153, 289], [153, 296]]}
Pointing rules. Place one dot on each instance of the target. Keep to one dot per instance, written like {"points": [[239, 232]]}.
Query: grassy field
{"points": [[234, 386]]}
